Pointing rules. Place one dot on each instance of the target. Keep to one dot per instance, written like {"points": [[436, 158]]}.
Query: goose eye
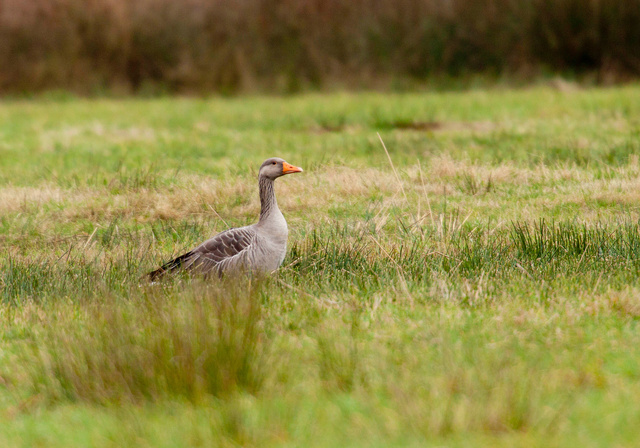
{"points": [[273, 163]]}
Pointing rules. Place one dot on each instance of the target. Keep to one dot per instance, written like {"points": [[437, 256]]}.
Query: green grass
{"points": [[485, 292]]}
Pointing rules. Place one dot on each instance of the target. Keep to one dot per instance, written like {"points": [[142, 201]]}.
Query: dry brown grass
{"points": [[15, 199], [470, 188]]}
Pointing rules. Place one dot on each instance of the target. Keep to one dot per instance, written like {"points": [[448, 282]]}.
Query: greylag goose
{"points": [[258, 248]]}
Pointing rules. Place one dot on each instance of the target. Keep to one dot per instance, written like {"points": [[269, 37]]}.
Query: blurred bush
{"points": [[285, 45]]}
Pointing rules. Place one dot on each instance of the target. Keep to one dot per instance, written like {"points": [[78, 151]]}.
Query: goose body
{"points": [[258, 248]]}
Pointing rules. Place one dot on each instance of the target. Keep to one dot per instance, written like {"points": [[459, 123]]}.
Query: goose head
{"points": [[275, 167]]}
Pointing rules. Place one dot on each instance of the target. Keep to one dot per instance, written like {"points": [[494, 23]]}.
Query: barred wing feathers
{"points": [[227, 248]]}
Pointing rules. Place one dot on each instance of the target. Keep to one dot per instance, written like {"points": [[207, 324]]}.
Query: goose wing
{"points": [[223, 247], [210, 256]]}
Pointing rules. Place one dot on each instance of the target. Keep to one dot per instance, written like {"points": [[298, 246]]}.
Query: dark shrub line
{"points": [[204, 45]]}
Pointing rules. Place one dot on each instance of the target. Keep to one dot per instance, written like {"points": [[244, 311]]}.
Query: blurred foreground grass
{"points": [[487, 295]]}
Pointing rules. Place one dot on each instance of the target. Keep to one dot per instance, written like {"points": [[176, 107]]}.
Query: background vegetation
{"points": [[286, 45], [482, 289]]}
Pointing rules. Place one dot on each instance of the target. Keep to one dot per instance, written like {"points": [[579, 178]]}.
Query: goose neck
{"points": [[268, 203]]}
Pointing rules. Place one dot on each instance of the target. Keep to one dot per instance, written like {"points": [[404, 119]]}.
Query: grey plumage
{"points": [[260, 247]]}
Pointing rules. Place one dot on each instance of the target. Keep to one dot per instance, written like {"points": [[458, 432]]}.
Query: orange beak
{"points": [[288, 169]]}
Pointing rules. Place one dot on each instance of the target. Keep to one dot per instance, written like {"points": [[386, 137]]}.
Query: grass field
{"points": [[482, 289]]}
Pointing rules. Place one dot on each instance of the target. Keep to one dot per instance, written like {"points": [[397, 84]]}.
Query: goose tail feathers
{"points": [[169, 267]]}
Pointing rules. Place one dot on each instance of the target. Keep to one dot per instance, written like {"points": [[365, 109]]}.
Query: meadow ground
{"points": [[481, 290]]}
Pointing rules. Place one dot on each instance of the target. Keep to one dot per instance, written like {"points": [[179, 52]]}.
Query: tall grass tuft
{"points": [[343, 259], [203, 341], [547, 241]]}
